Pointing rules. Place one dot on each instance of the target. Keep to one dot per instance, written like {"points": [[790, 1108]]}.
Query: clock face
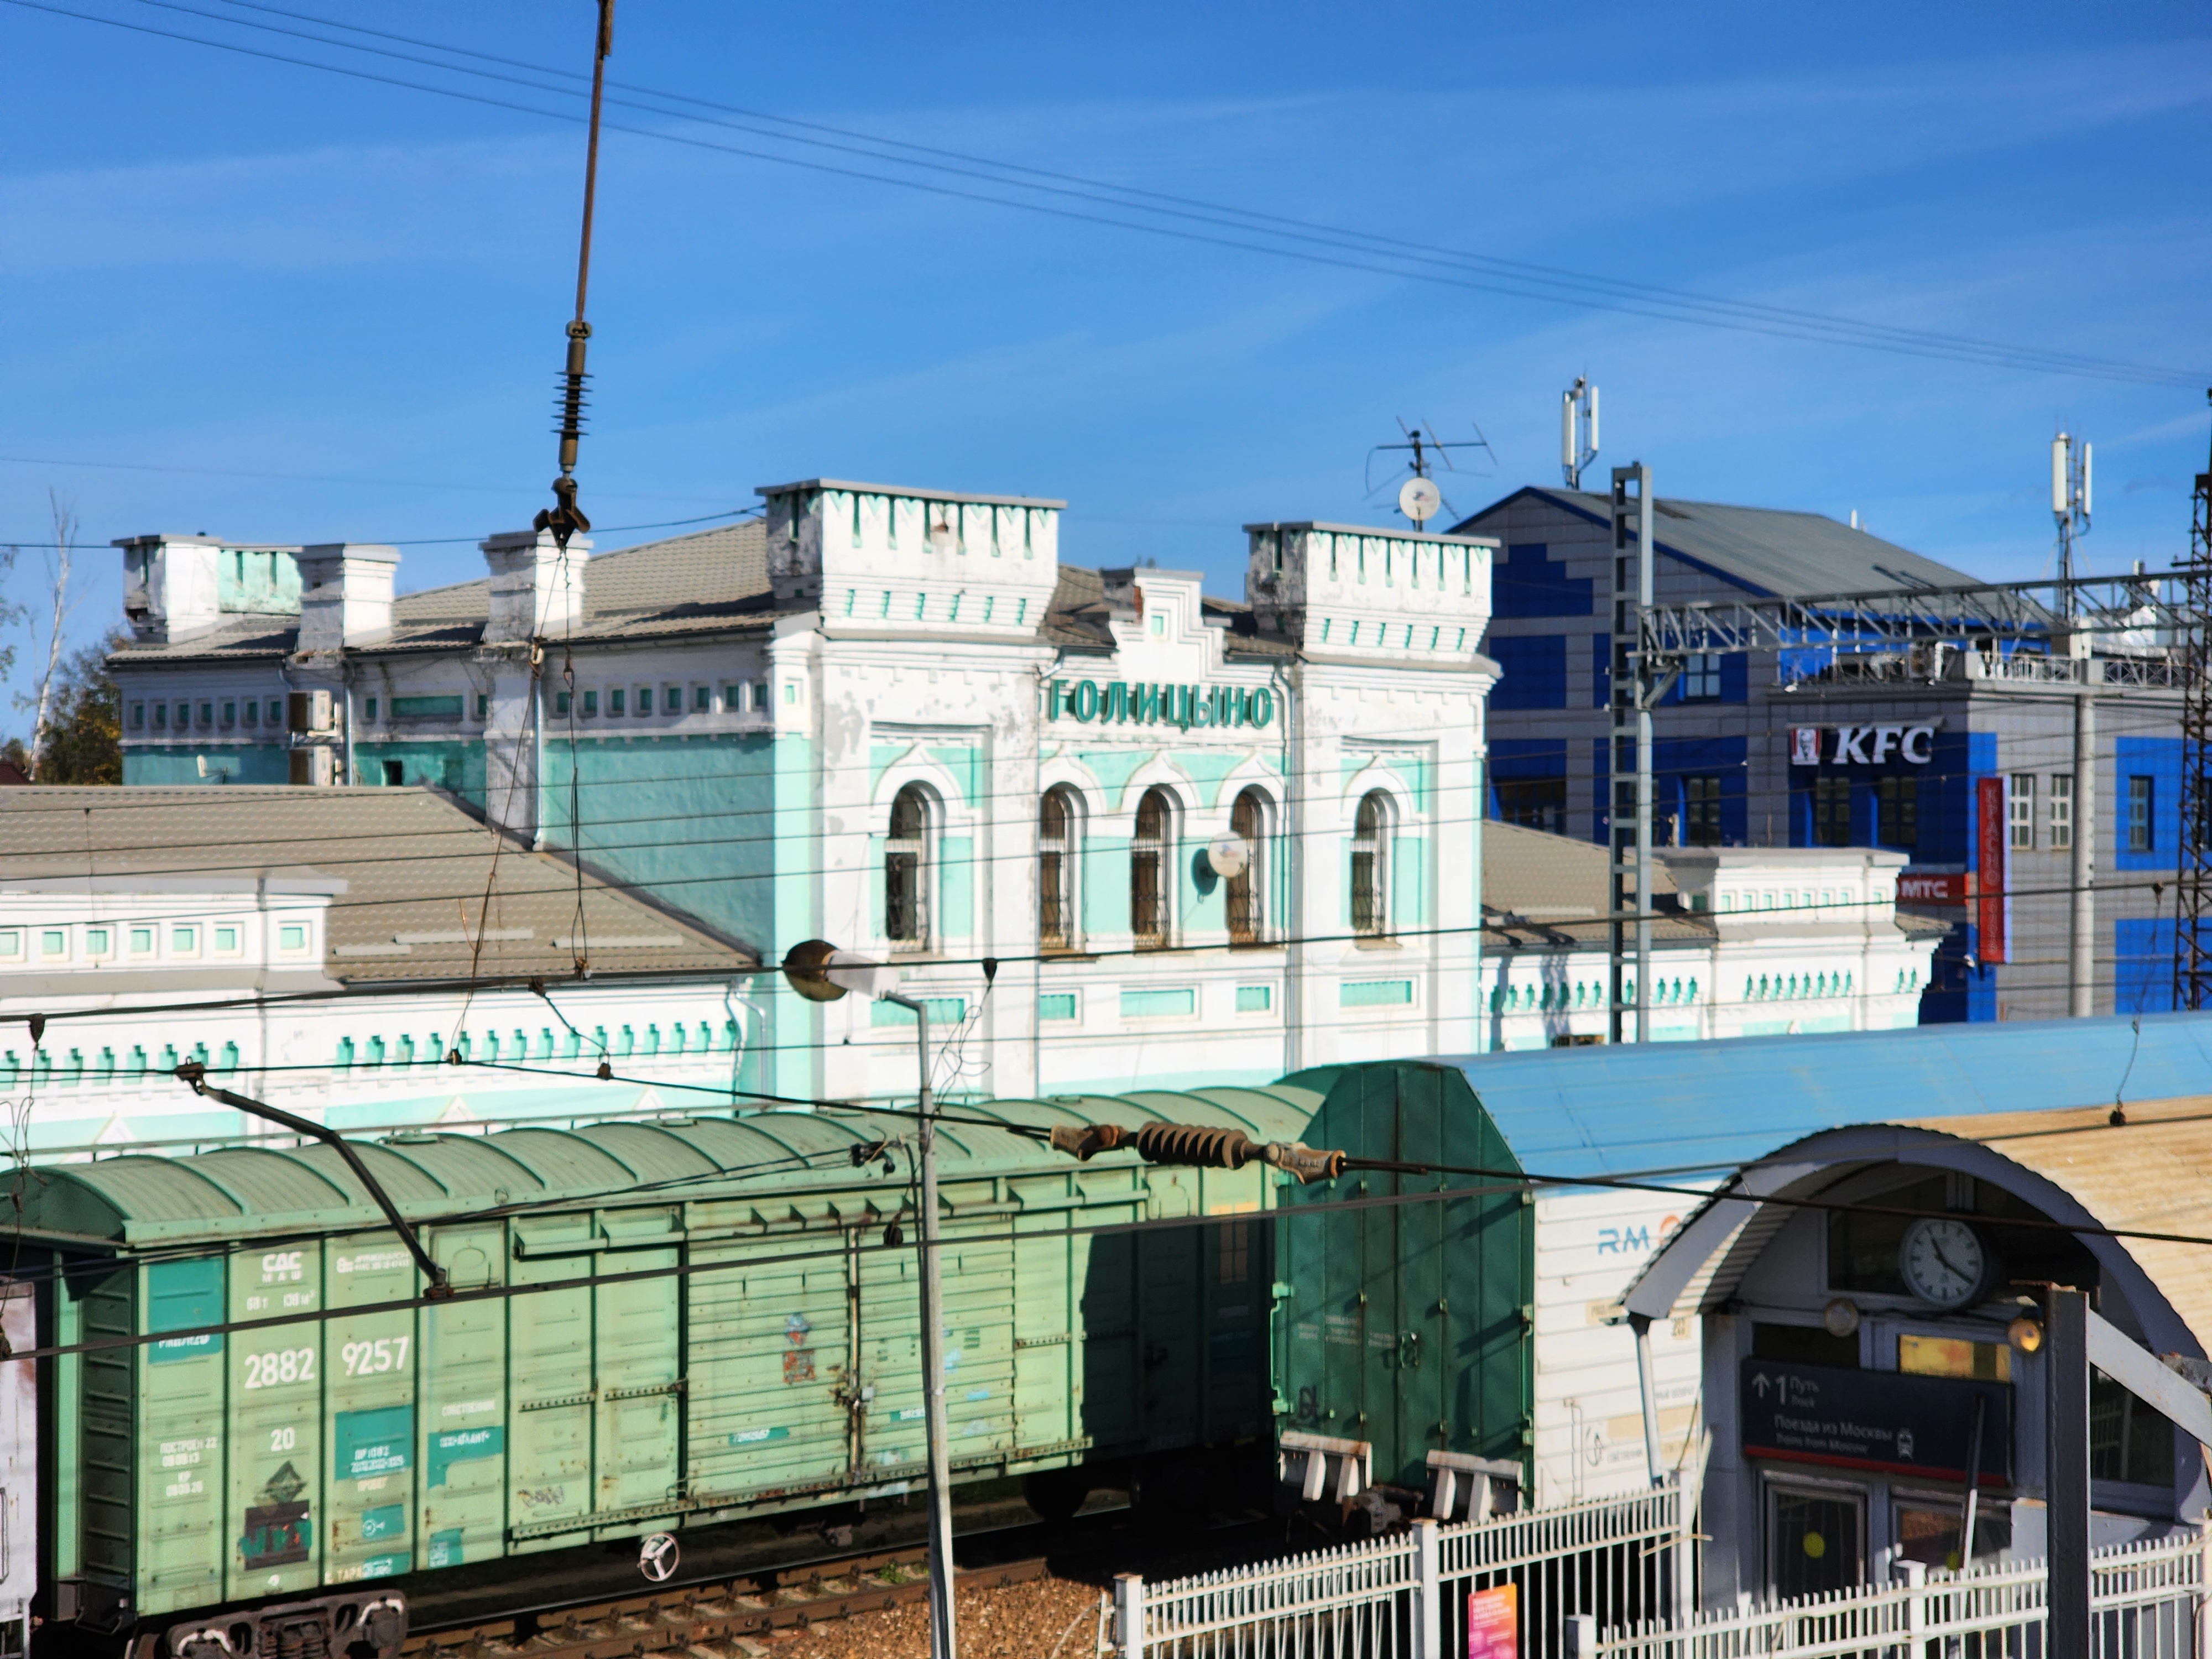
{"points": [[1943, 1261]]}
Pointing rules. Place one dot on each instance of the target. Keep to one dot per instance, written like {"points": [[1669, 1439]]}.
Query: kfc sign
{"points": [[1861, 745]]}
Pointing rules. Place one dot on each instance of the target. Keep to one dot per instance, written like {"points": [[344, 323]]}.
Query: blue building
{"points": [[1808, 747]]}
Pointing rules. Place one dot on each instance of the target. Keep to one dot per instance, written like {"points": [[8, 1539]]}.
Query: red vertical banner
{"points": [[1992, 872], [1493, 1623]]}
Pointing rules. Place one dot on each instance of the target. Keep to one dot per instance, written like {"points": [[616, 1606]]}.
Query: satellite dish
{"points": [[1418, 499], [1229, 854]]}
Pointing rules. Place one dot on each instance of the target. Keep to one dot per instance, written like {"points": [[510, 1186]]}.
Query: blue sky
{"points": [[283, 305]]}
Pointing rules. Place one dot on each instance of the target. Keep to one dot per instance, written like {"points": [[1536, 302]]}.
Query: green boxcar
{"points": [[707, 1326], [704, 1323], [1407, 1325]]}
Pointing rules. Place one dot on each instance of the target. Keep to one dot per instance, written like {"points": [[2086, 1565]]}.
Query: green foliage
{"points": [[83, 742]]}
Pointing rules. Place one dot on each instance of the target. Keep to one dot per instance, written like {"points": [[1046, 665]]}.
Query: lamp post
{"points": [[821, 973]]}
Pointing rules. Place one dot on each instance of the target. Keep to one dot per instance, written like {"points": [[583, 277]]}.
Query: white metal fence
{"points": [[1623, 1559], [2147, 1601]]}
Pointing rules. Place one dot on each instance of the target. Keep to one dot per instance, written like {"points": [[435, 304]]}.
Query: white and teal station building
{"points": [[1202, 841]]}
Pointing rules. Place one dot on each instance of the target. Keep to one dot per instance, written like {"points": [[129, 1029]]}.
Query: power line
{"points": [[1525, 282]]}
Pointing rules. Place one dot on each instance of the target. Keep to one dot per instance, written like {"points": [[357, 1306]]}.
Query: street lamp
{"points": [[820, 972]]}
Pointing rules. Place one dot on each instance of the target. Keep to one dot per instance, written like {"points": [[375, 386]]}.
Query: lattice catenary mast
{"points": [[2192, 888]]}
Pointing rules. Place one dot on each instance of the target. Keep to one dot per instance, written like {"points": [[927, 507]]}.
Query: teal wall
{"points": [[1105, 886], [956, 887], [691, 819], [457, 767], [180, 763]]}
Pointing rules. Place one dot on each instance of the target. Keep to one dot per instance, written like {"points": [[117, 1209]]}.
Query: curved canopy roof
{"points": [[2152, 1174], [1610, 1110], [247, 1192]]}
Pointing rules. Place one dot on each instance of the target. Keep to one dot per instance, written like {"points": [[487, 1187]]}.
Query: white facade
{"points": [[232, 975], [1786, 940]]}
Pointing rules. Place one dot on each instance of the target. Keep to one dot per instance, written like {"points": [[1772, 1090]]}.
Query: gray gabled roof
{"points": [[1766, 549], [415, 871]]}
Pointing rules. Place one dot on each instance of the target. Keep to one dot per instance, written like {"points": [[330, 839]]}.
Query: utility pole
{"points": [[2070, 507], [2192, 887], [941, 1636], [1629, 752], [2066, 1474], [820, 972]]}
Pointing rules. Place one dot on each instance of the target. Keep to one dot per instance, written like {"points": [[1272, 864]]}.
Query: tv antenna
{"points": [[1577, 417], [564, 518], [1420, 496]]}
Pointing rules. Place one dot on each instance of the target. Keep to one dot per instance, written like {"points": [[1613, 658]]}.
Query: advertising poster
{"points": [[1992, 902], [1493, 1623]]}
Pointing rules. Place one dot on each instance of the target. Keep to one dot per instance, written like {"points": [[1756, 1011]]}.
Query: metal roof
{"points": [[416, 869], [1716, 1105], [251, 1192], [1766, 549]]}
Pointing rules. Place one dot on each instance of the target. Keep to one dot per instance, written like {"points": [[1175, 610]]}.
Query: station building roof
{"points": [[1767, 551], [1707, 1107]]}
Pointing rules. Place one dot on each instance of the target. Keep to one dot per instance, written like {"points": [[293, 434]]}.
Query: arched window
{"points": [[905, 912], [1148, 871], [1057, 849], [1247, 918], [1371, 875]]}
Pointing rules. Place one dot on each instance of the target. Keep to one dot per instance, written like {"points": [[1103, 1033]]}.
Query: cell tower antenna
{"points": [[2069, 496], [564, 518], [1578, 430]]}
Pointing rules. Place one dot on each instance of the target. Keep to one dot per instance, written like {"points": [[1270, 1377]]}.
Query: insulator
{"points": [[1199, 1148]]}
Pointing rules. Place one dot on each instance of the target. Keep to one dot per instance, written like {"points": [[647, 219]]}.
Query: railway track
{"points": [[724, 1616]]}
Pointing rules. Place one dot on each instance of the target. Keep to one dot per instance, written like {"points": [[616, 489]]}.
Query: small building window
{"points": [[2062, 811], [733, 699], [2141, 837], [1057, 851], [292, 936], [1701, 676], [1898, 801], [225, 940], [395, 774], [206, 716], [1533, 802], [251, 711], [1831, 812], [1701, 811], [142, 941], [562, 702], [2022, 811], [369, 708], [184, 941], [760, 695], [643, 702], [1247, 822], [54, 942], [161, 717], [138, 717], [671, 699], [229, 715], [906, 918], [591, 704], [615, 701], [275, 712], [703, 699], [1148, 870], [183, 717]]}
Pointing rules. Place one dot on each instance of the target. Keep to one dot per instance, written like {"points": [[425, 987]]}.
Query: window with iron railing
{"points": [[1056, 869], [1371, 875], [1148, 871], [1248, 820], [905, 917]]}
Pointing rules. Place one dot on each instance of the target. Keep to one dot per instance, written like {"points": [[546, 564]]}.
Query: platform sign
{"points": [[1493, 1623], [1891, 1421]]}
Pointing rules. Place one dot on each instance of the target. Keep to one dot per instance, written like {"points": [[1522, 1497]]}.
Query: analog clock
{"points": [[1944, 1261]]}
